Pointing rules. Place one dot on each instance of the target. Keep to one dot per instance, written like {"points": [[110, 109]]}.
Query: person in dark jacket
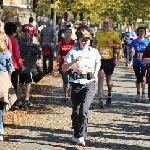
{"points": [[29, 57]]}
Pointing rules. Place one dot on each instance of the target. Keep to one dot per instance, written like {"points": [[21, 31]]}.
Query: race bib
{"points": [[139, 55], [104, 52]]}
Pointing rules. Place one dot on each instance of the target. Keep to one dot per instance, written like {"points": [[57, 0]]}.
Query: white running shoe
{"points": [[1, 138], [137, 98], [81, 141], [143, 98]]}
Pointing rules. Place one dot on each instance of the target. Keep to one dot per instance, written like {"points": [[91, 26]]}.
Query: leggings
{"points": [[140, 73]]}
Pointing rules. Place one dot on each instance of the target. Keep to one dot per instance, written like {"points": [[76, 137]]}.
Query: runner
{"points": [[129, 36], [104, 40], [137, 47], [85, 63], [64, 46]]}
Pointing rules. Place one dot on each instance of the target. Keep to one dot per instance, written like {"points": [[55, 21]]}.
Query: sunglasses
{"points": [[85, 39], [105, 22]]}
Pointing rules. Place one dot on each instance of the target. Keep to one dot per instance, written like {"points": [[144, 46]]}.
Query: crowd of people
{"points": [[85, 55]]}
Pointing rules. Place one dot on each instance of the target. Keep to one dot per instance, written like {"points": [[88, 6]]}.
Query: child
{"points": [[29, 57]]}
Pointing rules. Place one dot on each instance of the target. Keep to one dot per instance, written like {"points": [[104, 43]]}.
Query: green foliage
{"points": [[119, 11]]}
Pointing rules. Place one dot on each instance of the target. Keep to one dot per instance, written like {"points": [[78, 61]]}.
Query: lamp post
{"points": [[75, 16]]}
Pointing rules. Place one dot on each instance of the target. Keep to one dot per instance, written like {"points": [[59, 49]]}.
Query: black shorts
{"points": [[140, 73], [108, 66], [65, 75], [25, 78]]}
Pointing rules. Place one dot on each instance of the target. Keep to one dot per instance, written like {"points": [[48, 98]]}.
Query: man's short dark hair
{"points": [[139, 29], [10, 28], [31, 19]]}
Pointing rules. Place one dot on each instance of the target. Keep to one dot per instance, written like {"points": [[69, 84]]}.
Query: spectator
{"points": [[10, 30], [49, 39], [29, 28], [29, 57]]}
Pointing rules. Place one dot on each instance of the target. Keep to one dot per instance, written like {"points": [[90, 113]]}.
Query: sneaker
{"points": [[108, 102], [101, 104], [66, 99], [27, 103], [1, 138], [73, 139], [51, 73], [81, 141], [143, 98], [16, 104], [137, 98]]}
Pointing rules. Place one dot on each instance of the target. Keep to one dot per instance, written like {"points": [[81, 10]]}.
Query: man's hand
{"points": [[95, 77], [110, 43], [79, 58]]}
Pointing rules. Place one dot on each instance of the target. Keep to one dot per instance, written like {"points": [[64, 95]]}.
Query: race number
{"points": [[104, 52], [139, 55]]}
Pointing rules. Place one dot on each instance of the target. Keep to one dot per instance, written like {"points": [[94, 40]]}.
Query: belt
{"points": [[87, 76]]}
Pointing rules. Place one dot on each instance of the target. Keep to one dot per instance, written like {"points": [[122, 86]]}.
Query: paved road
{"points": [[123, 126]]}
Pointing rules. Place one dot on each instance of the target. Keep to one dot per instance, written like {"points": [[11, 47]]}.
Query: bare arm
{"points": [[131, 51], [115, 45], [146, 60], [97, 66], [58, 52]]}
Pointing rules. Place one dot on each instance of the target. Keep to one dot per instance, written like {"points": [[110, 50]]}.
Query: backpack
{"points": [[46, 51]]}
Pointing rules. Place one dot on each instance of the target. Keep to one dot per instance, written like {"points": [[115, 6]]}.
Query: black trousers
{"points": [[14, 79], [81, 97], [149, 91]]}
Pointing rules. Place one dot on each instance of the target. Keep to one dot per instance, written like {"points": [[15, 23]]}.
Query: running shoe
{"points": [[101, 104], [27, 103], [108, 102], [81, 141], [143, 98], [16, 104], [66, 99], [137, 98]]}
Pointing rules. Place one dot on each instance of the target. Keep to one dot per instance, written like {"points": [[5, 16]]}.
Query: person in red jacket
{"points": [[29, 28], [10, 30], [64, 46]]}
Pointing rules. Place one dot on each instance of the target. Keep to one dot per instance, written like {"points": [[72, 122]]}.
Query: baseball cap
{"points": [[84, 34]]}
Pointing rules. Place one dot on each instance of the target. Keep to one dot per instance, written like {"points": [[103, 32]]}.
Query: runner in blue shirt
{"points": [[137, 47], [129, 37]]}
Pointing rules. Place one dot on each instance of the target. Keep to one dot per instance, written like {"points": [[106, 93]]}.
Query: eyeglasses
{"points": [[105, 22]]}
